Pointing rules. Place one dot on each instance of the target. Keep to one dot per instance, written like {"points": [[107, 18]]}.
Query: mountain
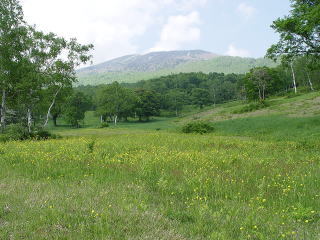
{"points": [[132, 68], [150, 62]]}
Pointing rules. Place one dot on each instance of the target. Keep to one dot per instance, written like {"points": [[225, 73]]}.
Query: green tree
{"points": [[115, 101], [75, 108], [12, 33], [175, 100], [31, 62], [200, 97], [299, 31], [148, 104], [261, 82]]}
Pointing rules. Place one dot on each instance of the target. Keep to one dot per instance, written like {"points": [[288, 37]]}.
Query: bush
{"points": [[18, 132], [252, 107], [292, 94], [42, 134], [197, 127], [104, 125]]}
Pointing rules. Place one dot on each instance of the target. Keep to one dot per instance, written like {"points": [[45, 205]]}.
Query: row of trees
{"points": [[116, 102], [35, 68], [146, 98]]}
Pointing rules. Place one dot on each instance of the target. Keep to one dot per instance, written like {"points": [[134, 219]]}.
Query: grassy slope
{"points": [[132, 182], [223, 64], [294, 117]]}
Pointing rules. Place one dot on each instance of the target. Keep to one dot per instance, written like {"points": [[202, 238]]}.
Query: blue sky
{"points": [[121, 27]]}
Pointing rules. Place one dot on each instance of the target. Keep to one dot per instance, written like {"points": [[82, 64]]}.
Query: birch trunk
{"points": [[310, 83], [29, 119], [51, 106], [293, 78], [3, 111], [115, 120]]}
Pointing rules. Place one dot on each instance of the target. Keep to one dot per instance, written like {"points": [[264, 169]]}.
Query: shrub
{"points": [[252, 107], [292, 94], [197, 127], [18, 132], [104, 125], [42, 134]]}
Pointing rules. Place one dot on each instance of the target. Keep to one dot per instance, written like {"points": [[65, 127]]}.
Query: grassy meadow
{"points": [[256, 177]]}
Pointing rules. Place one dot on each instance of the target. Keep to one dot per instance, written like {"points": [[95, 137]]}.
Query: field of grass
{"points": [[256, 177]]}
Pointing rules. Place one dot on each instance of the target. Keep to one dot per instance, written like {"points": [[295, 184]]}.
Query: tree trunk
{"points": [[293, 78], [176, 112], [101, 119], [115, 120], [260, 94], [310, 83], [3, 111], [29, 119], [54, 118], [51, 106]]}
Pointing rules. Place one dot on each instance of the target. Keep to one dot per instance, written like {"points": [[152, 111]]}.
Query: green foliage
{"points": [[299, 31], [174, 100], [262, 82], [34, 67], [91, 145], [198, 127], [148, 104], [18, 132], [200, 97], [252, 107], [115, 101], [41, 134], [104, 125], [76, 106]]}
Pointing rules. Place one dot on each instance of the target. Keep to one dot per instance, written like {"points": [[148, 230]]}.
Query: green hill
{"points": [[222, 64]]}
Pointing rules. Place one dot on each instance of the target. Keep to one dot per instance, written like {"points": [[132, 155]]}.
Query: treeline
{"points": [[144, 99]]}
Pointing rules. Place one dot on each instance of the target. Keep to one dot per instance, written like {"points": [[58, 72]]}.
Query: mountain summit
{"points": [[149, 62], [133, 68]]}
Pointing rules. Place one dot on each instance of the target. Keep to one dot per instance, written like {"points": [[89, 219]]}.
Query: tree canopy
{"points": [[299, 31], [32, 64]]}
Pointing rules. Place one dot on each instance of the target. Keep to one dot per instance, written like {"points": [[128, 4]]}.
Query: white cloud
{"points": [[234, 51], [246, 10], [113, 26], [188, 5], [178, 31]]}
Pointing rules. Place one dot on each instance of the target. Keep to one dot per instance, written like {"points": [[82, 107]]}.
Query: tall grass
{"points": [[159, 186], [272, 127]]}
